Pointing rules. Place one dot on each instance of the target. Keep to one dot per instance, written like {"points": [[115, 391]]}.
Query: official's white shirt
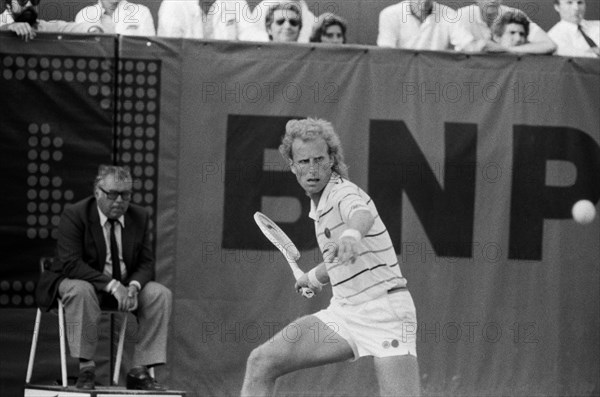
{"points": [[129, 19], [400, 28], [470, 19], [570, 41], [259, 16], [225, 20]]}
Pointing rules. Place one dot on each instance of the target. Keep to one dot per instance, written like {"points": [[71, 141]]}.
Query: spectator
{"points": [[479, 18], [205, 19], [329, 28], [21, 17], [259, 14], [105, 256], [511, 29], [422, 25], [119, 16], [573, 35], [283, 23]]}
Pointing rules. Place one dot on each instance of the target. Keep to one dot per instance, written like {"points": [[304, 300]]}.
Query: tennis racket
{"points": [[284, 244]]}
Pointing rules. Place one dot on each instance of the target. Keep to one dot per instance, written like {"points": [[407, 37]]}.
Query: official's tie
{"points": [[587, 38], [114, 252]]}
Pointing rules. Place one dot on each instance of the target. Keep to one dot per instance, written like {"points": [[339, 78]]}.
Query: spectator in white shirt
{"points": [[259, 14], [573, 35], [511, 29], [21, 17], [479, 18], [119, 16], [205, 19], [422, 25]]}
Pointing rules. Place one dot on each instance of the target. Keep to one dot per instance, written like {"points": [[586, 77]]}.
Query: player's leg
{"points": [[398, 375], [306, 342]]}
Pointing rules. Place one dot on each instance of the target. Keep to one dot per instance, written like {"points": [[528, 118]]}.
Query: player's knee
{"points": [[261, 363]]}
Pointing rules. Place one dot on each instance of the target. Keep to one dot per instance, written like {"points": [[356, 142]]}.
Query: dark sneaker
{"points": [[86, 379]]}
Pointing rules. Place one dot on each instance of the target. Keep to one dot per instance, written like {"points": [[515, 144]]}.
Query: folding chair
{"points": [[44, 265]]}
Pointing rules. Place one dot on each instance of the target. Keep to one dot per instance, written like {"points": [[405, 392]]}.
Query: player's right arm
{"points": [[315, 279]]}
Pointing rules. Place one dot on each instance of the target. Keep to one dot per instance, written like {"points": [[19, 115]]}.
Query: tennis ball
{"points": [[583, 212]]}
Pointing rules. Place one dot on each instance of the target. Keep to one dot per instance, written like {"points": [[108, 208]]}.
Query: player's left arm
{"points": [[359, 223]]}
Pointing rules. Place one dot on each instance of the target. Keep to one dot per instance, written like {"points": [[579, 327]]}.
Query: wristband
{"points": [[352, 233], [313, 280]]}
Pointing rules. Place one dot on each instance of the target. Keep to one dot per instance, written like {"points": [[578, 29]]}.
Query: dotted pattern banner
{"points": [[137, 119]]}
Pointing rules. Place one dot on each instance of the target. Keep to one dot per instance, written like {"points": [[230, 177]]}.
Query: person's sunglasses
{"points": [[293, 22], [23, 3], [112, 195]]}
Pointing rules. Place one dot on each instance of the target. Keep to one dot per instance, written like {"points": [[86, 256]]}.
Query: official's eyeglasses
{"points": [[23, 3], [293, 22], [113, 194]]}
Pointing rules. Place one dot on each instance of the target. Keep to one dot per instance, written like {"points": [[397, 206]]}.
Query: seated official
{"points": [[21, 17], [511, 30], [120, 17], [283, 23], [105, 257], [329, 29], [573, 34]]}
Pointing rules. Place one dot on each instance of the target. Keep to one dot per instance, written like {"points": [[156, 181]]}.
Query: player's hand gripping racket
{"points": [[284, 244]]}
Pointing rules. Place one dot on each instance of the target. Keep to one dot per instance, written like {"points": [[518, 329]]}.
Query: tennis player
{"points": [[371, 312]]}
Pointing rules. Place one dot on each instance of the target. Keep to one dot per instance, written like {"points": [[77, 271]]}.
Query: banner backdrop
{"points": [[474, 163]]}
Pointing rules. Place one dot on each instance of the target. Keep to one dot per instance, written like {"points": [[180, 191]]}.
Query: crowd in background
{"points": [[484, 26]]}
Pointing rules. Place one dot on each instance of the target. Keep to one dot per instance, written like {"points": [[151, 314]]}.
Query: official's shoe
{"points": [[139, 379], [86, 379]]}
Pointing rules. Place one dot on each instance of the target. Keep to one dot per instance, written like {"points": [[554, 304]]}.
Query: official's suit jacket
{"points": [[81, 250]]}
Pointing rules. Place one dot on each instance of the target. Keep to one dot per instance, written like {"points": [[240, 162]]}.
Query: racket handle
{"points": [[307, 292]]}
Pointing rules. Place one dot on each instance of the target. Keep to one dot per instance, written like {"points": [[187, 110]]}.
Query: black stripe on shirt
{"points": [[376, 234], [358, 274], [325, 213]]}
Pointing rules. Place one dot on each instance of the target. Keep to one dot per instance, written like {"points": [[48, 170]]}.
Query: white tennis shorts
{"points": [[383, 327]]}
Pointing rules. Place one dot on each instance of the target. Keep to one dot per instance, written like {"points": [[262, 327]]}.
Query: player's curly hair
{"points": [[308, 129]]}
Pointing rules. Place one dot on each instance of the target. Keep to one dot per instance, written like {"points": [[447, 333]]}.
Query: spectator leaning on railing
{"points": [[119, 16], [21, 17], [479, 18], [422, 25], [511, 29], [573, 35], [205, 19]]}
